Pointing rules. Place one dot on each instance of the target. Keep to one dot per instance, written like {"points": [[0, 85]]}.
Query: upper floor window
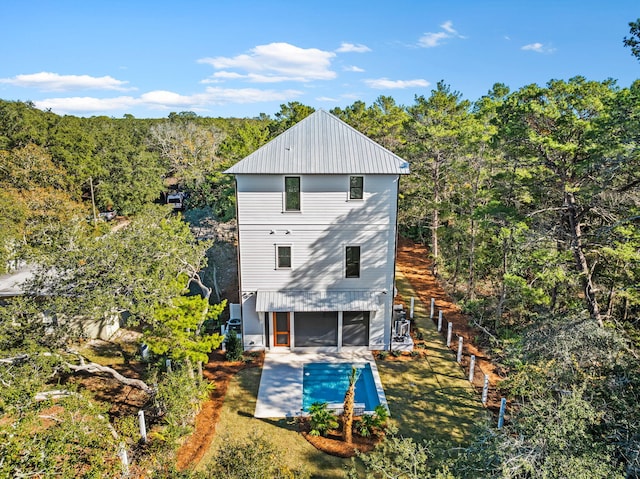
{"points": [[356, 187], [292, 193], [353, 261], [283, 257]]}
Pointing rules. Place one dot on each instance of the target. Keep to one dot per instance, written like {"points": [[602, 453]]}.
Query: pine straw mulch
{"points": [[333, 444]]}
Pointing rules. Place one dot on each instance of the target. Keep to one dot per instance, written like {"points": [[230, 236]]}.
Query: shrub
{"points": [[383, 354], [234, 346], [373, 423], [321, 419], [251, 458], [178, 401]]}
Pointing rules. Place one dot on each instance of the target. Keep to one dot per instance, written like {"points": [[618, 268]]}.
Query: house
{"points": [[16, 283], [316, 210]]}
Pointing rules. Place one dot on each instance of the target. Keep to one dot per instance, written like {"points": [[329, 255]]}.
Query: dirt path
{"points": [[413, 261]]}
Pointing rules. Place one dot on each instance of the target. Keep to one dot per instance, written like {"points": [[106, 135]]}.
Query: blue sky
{"points": [[245, 57]]}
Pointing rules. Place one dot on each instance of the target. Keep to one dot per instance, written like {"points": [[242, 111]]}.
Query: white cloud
{"points": [[327, 99], [86, 104], [538, 48], [166, 100], [277, 62], [252, 77], [48, 81], [350, 47], [448, 27], [247, 95], [385, 83], [429, 40], [353, 68], [434, 39]]}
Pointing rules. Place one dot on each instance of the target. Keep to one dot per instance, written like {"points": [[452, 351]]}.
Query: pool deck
{"points": [[280, 392]]}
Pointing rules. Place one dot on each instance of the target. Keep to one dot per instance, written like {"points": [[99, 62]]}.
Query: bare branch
{"points": [[94, 368]]}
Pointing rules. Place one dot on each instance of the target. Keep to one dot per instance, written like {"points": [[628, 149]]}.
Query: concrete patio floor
{"points": [[280, 392]]}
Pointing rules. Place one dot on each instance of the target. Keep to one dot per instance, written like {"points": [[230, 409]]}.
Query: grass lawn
{"points": [[429, 397]]}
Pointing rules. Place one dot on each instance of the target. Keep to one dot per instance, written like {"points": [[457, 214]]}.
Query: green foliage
{"points": [[289, 115], [176, 330], [253, 457], [373, 423], [321, 419], [233, 344], [69, 438], [178, 401], [633, 41], [401, 458]]}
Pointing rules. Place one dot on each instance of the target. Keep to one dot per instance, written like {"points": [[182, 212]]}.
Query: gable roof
{"points": [[321, 144]]}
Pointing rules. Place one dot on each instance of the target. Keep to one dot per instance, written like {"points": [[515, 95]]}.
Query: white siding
{"points": [[318, 234], [324, 201]]}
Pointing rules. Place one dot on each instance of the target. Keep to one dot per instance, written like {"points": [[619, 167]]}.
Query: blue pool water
{"points": [[328, 382]]}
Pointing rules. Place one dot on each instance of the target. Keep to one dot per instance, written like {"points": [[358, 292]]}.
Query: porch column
{"points": [[292, 331], [340, 331]]}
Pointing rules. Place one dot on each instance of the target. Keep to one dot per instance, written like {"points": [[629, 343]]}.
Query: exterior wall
{"points": [[318, 235], [252, 323]]}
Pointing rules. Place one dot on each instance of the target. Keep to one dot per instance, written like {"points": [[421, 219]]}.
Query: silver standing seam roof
{"points": [[297, 300], [321, 144]]}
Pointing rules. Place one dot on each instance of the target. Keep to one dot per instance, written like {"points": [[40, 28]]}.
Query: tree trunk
{"points": [[503, 287], [435, 220], [581, 260], [471, 285], [347, 413]]}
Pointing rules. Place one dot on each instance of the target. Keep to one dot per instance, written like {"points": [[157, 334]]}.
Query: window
{"points": [[356, 188], [292, 193], [283, 258], [353, 261]]}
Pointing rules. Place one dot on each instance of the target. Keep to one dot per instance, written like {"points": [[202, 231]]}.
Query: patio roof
{"points": [[301, 300]]}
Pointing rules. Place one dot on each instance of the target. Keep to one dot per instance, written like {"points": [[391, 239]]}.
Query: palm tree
{"points": [[347, 413]]}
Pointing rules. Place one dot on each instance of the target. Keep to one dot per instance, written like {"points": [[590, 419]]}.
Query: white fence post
{"points": [[168, 364], [412, 305], [472, 366], [124, 459], [433, 308], [485, 389], [143, 426], [449, 333], [439, 321], [459, 357]]}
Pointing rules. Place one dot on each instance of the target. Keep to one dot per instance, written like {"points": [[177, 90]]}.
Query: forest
{"points": [[529, 202]]}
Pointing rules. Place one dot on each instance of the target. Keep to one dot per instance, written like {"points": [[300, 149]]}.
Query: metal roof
{"points": [[321, 144], [296, 300]]}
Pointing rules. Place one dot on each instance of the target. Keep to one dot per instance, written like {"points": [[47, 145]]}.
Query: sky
{"points": [[223, 58]]}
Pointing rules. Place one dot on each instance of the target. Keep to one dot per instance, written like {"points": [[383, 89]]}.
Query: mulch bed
{"points": [[333, 444]]}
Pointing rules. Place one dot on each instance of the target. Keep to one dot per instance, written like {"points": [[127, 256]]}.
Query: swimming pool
{"points": [[328, 382]]}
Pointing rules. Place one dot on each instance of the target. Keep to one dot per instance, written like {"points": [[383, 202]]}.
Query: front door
{"points": [[281, 329]]}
